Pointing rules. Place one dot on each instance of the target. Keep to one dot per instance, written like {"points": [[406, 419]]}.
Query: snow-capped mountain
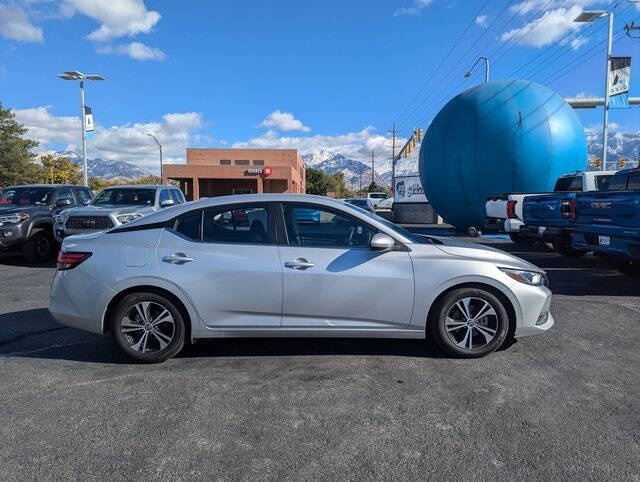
{"points": [[356, 173], [107, 169]]}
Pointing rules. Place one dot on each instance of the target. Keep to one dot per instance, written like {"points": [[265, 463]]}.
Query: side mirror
{"points": [[166, 203], [63, 202], [382, 242]]}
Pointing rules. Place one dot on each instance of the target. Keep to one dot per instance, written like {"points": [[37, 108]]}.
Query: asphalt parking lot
{"points": [[560, 406]]}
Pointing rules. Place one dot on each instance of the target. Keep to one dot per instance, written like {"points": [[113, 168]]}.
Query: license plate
{"points": [[541, 229], [604, 240]]}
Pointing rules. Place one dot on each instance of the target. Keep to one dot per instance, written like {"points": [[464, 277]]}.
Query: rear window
{"points": [[568, 184], [618, 183], [602, 182]]}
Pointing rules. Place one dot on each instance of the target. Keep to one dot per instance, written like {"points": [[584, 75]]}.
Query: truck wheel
{"points": [[517, 238], [39, 246], [562, 246]]}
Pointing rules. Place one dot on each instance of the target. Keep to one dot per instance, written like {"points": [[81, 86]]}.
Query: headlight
{"points": [[125, 218], [13, 218], [533, 278]]}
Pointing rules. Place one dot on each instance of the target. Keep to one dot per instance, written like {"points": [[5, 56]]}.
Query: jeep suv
{"points": [[115, 206], [26, 217]]}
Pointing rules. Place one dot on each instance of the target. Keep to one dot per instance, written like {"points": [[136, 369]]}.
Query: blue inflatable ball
{"points": [[501, 137]]}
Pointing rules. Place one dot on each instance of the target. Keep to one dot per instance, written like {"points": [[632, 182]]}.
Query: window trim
{"points": [[282, 233]]}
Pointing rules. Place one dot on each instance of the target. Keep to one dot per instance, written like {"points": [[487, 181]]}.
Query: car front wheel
{"points": [[148, 327], [469, 323]]}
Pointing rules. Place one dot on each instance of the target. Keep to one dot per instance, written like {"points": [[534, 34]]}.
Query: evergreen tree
{"points": [[17, 160]]}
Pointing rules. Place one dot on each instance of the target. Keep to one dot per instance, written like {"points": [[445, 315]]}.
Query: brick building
{"points": [[218, 172]]}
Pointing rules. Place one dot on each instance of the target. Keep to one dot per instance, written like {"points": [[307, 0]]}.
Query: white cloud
{"points": [[482, 20], [284, 121], [15, 25], [556, 22], [127, 142], [415, 8], [134, 50], [117, 18]]}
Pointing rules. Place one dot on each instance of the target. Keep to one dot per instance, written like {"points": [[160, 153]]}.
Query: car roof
{"points": [[172, 212], [41, 185]]}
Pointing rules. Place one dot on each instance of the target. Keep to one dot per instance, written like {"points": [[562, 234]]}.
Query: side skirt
{"points": [[309, 333]]}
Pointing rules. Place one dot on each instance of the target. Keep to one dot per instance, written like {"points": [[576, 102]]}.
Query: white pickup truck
{"points": [[379, 200], [504, 211]]}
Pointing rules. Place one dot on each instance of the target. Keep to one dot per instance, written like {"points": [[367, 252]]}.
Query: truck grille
{"points": [[89, 223]]}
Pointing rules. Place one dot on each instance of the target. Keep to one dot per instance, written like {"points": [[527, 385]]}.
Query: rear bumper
{"points": [[618, 247], [502, 225], [546, 234]]}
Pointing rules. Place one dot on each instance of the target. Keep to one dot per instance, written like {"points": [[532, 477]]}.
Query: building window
{"points": [[242, 162], [258, 163], [225, 162]]}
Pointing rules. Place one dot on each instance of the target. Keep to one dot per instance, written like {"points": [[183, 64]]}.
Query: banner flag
{"points": [[88, 122], [619, 78]]}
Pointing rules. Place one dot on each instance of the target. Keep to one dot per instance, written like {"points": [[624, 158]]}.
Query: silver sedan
{"points": [[290, 265]]}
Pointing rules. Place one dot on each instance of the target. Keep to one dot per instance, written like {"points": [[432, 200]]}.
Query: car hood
{"points": [[474, 251], [5, 210], [90, 209]]}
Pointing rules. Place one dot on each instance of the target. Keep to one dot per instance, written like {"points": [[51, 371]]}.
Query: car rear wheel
{"points": [[469, 323], [39, 247], [148, 327]]}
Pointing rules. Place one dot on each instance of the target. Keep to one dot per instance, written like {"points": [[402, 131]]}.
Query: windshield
{"points": [[357, 202], [125, 196], [30, 196], [378, 195], [414, 238]]}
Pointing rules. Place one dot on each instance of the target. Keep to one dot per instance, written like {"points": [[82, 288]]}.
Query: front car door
{"points": [[332, 279], [226, 261]]}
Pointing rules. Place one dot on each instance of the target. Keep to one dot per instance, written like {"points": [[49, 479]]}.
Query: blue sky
{"points": [[313, 75]]}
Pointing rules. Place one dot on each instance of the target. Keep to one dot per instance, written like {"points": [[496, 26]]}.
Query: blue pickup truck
{"points": [[608, 222], [550, 217]]}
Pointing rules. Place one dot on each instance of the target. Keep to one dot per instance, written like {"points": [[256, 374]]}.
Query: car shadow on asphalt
{"points": [[34, 334], [587, 275], [17, 260]]}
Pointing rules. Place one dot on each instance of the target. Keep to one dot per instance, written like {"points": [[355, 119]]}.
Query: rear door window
{"points": [[189, 224], [568, 184], [248, 224], [634, 182], [602, 182]]}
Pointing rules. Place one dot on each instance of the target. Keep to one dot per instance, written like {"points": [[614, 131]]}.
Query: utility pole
{"points": [[372, 164], [605, 133], [393, 160]]}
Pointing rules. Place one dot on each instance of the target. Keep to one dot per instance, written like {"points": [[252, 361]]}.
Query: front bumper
{"points": [[13, 235], [546, 234], [619, 247], [535, 304]]}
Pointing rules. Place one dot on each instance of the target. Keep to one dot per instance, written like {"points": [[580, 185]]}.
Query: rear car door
{"points": [[225, 259], [332, 279]]}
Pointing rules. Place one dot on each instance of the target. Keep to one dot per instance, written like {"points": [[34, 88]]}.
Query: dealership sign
{"points": [[257, 171], [619, 77], [408, 189]]}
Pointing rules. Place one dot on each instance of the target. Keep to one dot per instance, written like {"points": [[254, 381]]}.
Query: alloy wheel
{"points": [[471, 323], [147, 327]]}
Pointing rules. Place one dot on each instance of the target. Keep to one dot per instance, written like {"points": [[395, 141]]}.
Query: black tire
{"points": [[563, 246], [128, 340], [517, 238], [39, 248], [446, 337]]}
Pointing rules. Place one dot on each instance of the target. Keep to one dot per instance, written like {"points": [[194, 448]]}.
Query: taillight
{"points": [[511, 209], [568, 209], [71, 259]]}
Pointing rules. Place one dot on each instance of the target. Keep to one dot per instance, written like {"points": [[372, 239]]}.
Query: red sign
{"points": [[266, 172]]}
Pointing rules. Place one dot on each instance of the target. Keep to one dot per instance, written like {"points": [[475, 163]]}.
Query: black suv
{"points": [[26, 217]]}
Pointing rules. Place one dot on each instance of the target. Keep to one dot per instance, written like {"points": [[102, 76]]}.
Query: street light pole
{"points": [[85, 175], [76, 75], [605, 133], [486, 69], [160, 148]]}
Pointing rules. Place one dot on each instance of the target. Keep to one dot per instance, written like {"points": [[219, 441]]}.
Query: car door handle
{"points": [[299, 263], [177, 258]]}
